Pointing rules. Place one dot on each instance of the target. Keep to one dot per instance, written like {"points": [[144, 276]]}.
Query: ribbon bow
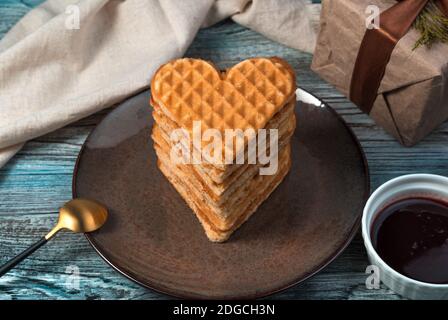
{"points": [[377, 46]]}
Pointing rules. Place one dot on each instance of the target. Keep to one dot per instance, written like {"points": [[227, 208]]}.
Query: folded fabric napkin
{"points": [[53, 73]]}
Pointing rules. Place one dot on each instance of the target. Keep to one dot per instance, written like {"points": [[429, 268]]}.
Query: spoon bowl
{"points": [[80, 215]]}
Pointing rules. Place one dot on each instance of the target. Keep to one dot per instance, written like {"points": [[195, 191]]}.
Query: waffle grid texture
{"points": [[246, 97]]}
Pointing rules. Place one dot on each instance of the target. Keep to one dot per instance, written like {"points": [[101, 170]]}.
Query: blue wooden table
{"points": [[38, 180]]}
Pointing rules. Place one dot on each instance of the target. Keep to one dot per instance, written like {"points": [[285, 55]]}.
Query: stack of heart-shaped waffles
{"points": [[255, 94]]}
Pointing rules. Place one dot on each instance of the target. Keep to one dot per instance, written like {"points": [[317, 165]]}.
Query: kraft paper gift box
{"points": [[413, 96]]}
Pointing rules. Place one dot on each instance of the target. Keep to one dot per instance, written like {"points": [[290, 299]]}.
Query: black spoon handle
{"points": [[14, 261]]}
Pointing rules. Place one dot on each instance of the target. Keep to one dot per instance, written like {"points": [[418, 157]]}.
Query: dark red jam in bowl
{"points": [[411, 236]]}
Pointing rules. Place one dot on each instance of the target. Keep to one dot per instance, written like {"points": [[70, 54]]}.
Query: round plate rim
{"points": [[169, 292]]}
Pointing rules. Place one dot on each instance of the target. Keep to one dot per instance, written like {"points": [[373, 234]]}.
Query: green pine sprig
{"points": [[433, 26]]}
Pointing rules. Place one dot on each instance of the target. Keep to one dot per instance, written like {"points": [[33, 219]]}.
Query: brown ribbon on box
{"points": [[377, 46]]}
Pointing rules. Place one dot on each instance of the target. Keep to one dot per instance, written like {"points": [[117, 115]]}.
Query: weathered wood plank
{"points": [[38, 180]]}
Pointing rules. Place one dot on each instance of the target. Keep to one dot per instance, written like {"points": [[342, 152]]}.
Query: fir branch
{"points": [[433, 26]]}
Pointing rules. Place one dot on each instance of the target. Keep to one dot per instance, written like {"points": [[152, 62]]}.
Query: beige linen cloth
{"points": [[52, 74]]}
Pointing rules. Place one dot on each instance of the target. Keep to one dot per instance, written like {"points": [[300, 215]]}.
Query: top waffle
{"points": [[247, 96]]}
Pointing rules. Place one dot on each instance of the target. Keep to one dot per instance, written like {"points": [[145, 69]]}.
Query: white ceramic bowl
{"points": [[415, 185]]}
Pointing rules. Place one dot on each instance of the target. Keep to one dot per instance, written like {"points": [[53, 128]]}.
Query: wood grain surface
{"points": [[38, 180]]}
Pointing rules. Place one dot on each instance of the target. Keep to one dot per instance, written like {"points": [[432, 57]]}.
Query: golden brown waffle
{"points": [[255, 94], [247, 96]]}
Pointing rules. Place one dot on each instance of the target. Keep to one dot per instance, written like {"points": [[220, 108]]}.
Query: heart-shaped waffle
{"points": [[247, 96]]}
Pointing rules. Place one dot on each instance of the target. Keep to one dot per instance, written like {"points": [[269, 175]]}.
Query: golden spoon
{"points": [[78, 215]]}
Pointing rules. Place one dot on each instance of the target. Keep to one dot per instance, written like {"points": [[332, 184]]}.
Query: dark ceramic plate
{"points": [[153, 238]]}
